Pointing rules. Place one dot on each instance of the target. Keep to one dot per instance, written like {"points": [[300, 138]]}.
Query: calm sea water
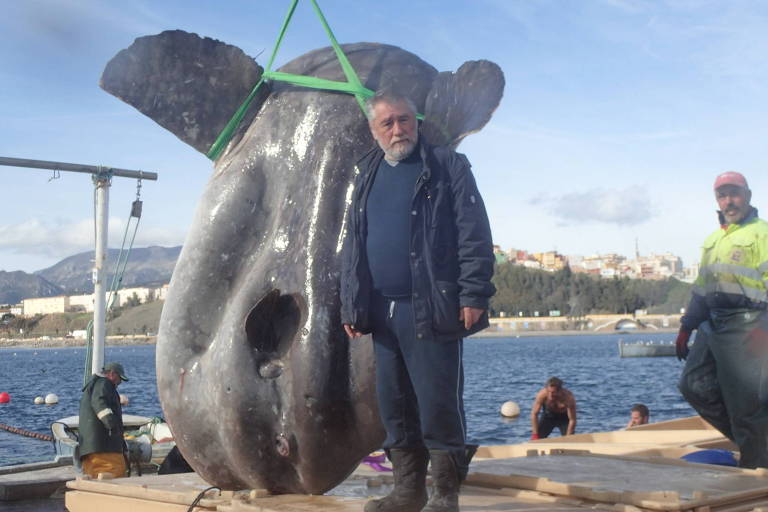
{"points": [[496, 370]]}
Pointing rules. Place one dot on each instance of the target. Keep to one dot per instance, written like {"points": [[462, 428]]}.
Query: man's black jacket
{"points": [[101, 418], [450, 247]]}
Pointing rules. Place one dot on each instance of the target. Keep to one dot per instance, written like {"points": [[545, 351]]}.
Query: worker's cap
{"points": [[731, 178], [117, 368]]}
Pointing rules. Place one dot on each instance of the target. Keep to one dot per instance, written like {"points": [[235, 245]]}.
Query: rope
{"points": [[201, 496], [353, 85], [26, 433]]}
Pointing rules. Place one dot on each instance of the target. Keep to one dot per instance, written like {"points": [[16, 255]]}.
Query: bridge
{"points": [[589, 323]]}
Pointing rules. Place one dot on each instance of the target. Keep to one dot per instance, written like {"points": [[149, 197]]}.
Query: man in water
{"points": [[418, 262], [638, 415], [101, 424], [726, 373], [558, 409]]}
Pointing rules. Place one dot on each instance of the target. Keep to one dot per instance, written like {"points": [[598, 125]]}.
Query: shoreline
{"points": [[32, 343], [69, 342], [512, 333]]}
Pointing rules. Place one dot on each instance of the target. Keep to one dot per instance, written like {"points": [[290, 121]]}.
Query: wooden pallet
{"points": [[622, 471], [161, 493], [645, 483]]}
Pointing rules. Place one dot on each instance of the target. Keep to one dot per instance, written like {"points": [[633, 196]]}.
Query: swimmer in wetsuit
{"points": [[558, 409]]}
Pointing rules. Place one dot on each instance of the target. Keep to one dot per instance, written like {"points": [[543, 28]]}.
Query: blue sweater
{"points": [[388, 212]]}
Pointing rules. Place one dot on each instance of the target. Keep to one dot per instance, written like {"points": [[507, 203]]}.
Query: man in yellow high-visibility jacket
{"points": [[726, 371]]}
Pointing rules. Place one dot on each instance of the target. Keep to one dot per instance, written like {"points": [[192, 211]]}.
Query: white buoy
{"points": [[510, 409], [51, 399], [123, 399], [39, 400]]}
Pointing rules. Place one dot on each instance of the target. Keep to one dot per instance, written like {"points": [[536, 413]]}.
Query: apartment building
{"points": [[81, 303], [655, 266], [551, 260], [85, 303], [45, 305]]}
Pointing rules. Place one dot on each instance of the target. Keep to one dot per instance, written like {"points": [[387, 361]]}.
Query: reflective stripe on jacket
{"points": [[733, 271], [101, 418], [735, 261]]}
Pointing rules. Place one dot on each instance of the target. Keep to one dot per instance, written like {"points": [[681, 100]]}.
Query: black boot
{"points": [[445, 479], [409, 469]]}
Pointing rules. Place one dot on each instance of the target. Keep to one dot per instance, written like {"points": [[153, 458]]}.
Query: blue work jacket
{"points": [[451, 251]]}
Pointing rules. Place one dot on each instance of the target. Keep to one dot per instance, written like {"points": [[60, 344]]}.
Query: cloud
{"points": [[628, 207], [61, 238]]}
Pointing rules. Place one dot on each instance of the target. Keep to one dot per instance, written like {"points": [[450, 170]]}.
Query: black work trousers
{"points": [[419, 383], [724, 379]]}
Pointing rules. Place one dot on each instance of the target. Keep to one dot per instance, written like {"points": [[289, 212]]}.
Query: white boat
{"points": [[646, 349], [149, 440]]}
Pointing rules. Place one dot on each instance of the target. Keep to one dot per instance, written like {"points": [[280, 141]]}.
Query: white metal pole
{"points": [[100, 301], [102, 177]]}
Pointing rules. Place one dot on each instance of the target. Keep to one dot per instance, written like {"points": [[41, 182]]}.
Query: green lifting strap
{"points": [[351, 86]]}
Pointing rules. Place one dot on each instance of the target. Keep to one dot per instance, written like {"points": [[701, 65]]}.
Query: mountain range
{"points": [[72, 275]]}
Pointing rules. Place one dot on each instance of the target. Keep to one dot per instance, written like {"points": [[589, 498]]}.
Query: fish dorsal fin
{"points": [[462, 103], [187, 84]]}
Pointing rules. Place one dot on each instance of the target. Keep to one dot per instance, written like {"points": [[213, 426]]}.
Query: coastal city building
{"points": [[45, 305], [81, 303], [551, 260], [608, 265], [84, 302], [690, 273]]}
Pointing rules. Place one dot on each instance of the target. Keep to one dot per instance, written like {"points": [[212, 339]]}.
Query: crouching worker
{"points": [[101, 424], [558, 410]]}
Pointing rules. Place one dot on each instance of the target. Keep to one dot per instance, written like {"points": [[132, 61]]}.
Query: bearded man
{"points": [[726, 373], [418, 262]]}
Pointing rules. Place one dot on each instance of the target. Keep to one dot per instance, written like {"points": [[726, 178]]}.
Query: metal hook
{"points": [[56, 175]]}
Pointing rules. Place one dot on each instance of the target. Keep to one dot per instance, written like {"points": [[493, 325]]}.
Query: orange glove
{"points": [[681, 344]]}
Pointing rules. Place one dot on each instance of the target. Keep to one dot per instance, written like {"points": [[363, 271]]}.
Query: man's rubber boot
{"points": [[409, 469], [446, 483]]}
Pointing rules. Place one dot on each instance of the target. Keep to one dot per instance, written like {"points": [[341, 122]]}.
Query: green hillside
{"points": [[524, 290], [139, 319]]}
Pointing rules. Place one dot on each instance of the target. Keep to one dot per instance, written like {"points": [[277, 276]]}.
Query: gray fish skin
{"points": [[256, 377]]}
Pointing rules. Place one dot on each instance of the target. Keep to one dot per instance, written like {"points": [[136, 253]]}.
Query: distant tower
{"points": [[637, 250]]}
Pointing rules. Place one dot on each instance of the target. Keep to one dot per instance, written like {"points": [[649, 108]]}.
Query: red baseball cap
{"points": [[731, 178]]}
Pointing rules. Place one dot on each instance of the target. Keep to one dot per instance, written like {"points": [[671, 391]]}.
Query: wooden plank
{"points": [[82, 501], [34, 484], [166, 490], [645, 483], [295, 503], [488, 502]]}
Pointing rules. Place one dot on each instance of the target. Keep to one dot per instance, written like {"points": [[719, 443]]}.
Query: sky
{"points": [[616, 117]]}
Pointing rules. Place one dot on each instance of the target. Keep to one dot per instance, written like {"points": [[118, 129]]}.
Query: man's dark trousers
{"points": [[420, 383]]}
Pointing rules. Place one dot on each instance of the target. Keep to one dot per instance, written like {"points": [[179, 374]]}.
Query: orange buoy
{"points": [[4, 398]]}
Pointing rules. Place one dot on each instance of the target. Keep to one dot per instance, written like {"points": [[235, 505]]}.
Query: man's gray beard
{"points": [[401, 152]]}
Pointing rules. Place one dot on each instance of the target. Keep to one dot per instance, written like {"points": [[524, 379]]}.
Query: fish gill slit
{"points": [[271, 328]]}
